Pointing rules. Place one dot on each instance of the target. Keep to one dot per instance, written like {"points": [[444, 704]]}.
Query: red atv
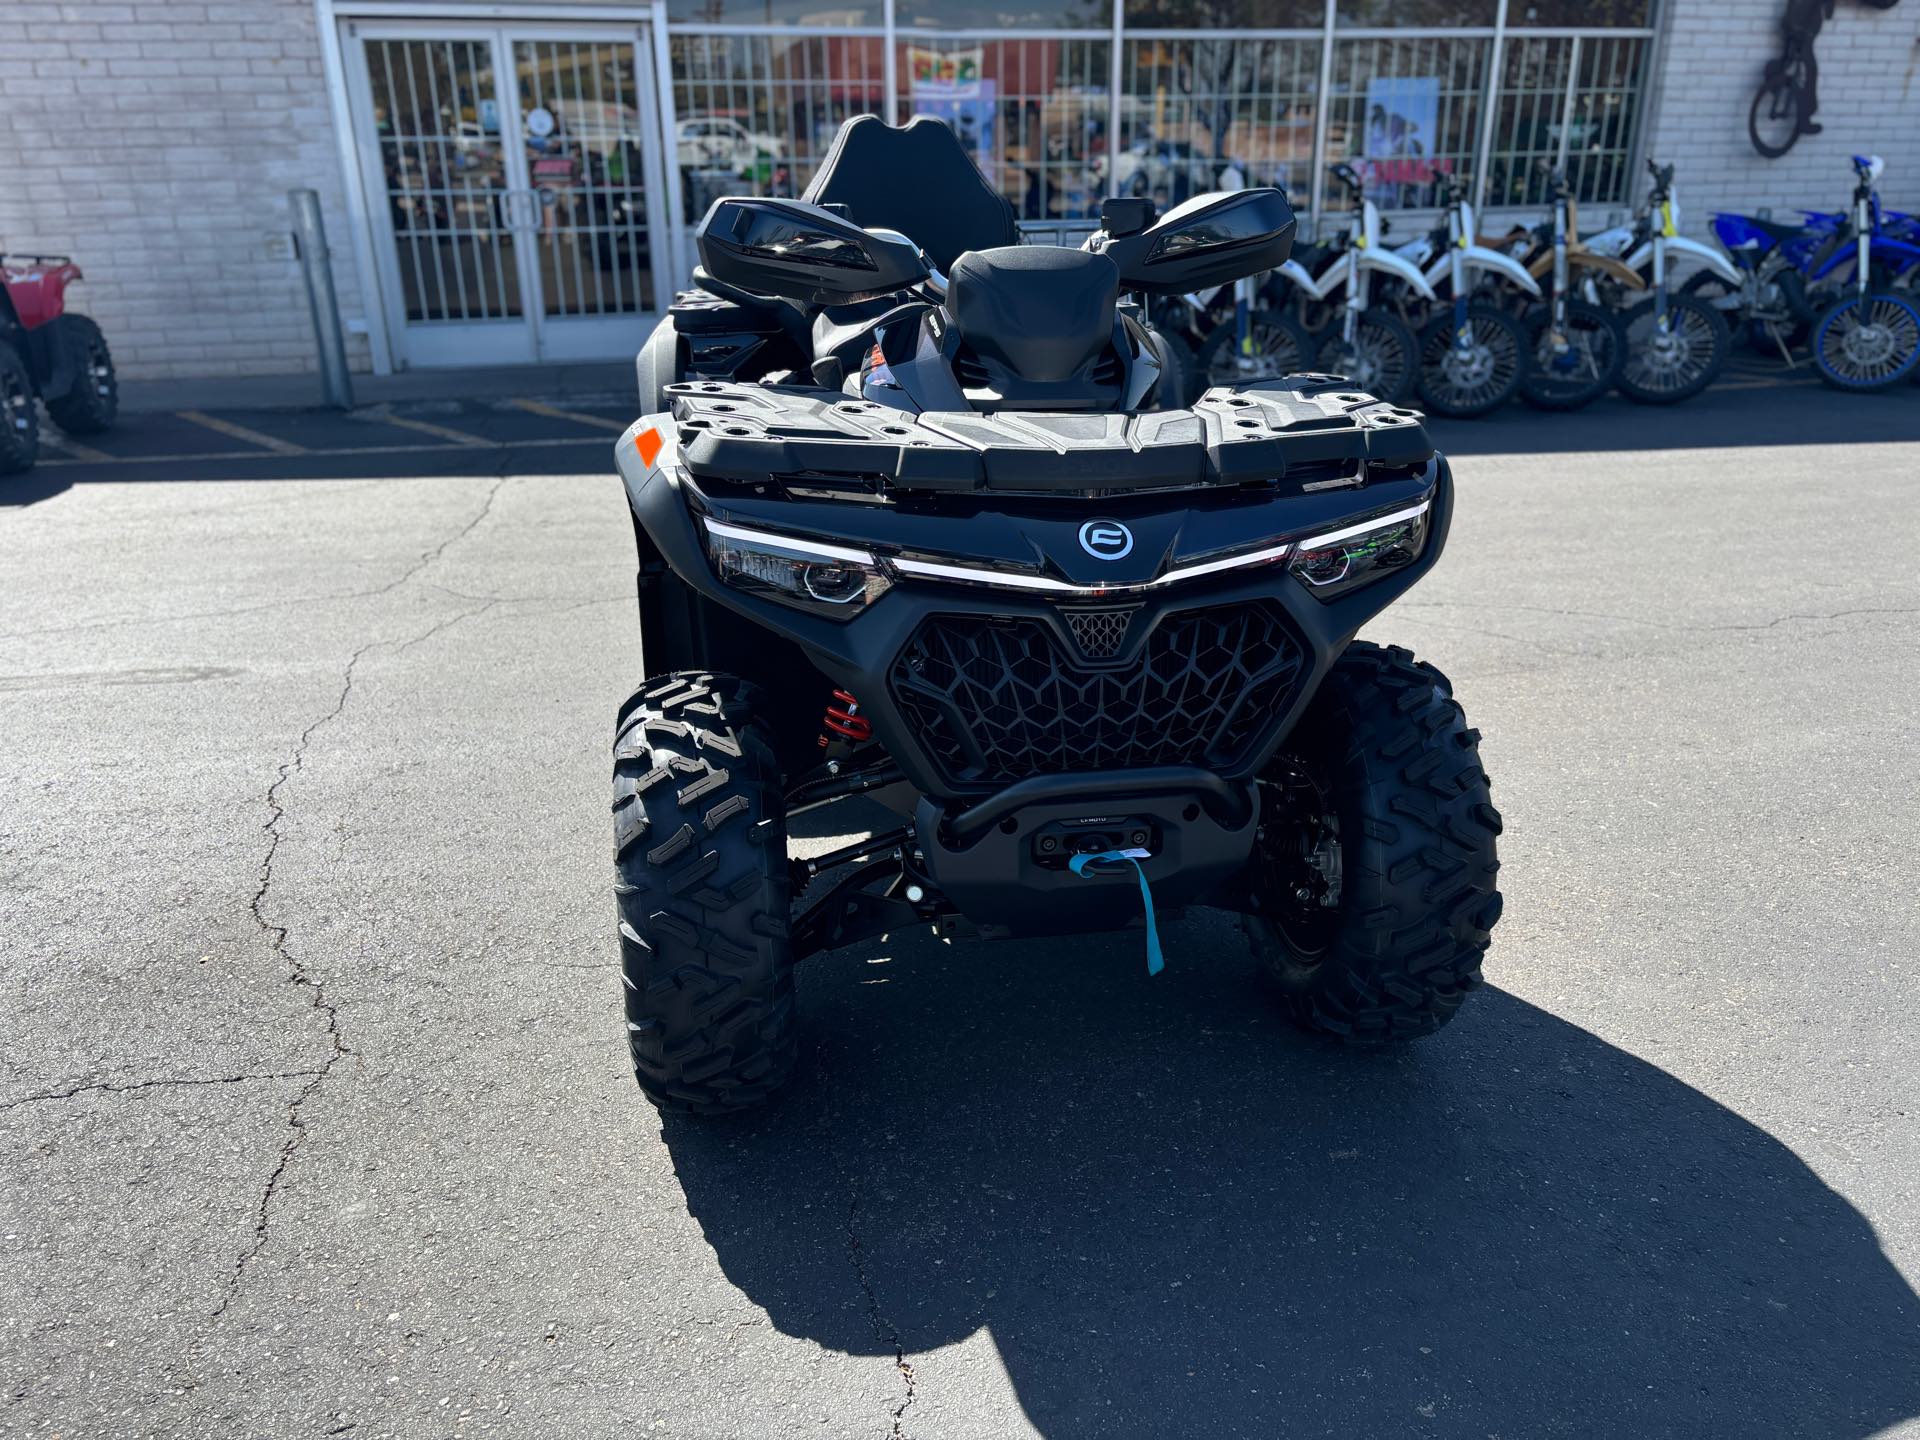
{"points": [[44, 351]]}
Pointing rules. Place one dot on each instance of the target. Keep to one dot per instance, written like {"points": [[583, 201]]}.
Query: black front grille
{"points": [[1099, 633], [993, 700]]}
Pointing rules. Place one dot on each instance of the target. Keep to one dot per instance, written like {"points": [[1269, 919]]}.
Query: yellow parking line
{"points": [[537, 407], [241, 432], [77, 450], [382, 416], [205, 456]]}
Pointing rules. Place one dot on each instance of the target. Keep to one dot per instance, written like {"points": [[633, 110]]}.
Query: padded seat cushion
{"points": [[917, 179]]}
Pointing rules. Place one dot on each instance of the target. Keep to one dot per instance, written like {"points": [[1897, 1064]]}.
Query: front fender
{"points": [[1504, 265], [1607, 265], [1298, 275], [1392, 264]]}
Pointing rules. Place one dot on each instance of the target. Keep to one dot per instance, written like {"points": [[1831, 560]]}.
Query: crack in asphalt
{"points": [[883, 1329], [298, 972], [421, 562], [133, 1086]]}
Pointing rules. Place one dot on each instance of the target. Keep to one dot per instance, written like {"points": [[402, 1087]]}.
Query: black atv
{"points": [[910, 529]]}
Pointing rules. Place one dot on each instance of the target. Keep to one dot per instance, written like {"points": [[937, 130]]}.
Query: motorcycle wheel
{"points": [[1765, 333], [1658, 369], [1582, 372], [1867, 342], [1479, 377], [1380, 361], [1278, 345]]}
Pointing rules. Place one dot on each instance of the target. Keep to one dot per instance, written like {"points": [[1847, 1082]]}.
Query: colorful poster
{"points": [[947, 85], [1402, 132]]}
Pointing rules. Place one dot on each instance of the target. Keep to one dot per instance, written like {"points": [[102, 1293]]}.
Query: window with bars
{"points": [[1192, 109], [754, 114], [1033, 112], [1405, 111]]}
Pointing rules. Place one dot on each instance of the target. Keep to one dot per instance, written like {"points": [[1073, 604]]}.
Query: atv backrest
{"points": [[917, 179]]}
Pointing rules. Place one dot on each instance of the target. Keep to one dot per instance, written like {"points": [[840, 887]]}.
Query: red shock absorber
{"points": [[846, 721]]}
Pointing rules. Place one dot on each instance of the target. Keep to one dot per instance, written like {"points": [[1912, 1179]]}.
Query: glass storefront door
{"points": [[516, 179]]}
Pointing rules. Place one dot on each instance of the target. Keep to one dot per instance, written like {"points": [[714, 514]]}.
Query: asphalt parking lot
{"points": [[314, 1105]]}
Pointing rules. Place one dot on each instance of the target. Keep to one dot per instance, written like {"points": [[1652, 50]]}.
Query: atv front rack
{"points": [[1301, 433]]}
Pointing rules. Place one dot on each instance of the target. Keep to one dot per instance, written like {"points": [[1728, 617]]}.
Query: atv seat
{"points": [[916, 179]]}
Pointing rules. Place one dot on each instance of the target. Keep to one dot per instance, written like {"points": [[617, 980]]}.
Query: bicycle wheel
{"points": [[1664, 367], [1775, 118], [1867, 342], [1276, 345], [1381, 360], [1471, 379], [1577, 369]]}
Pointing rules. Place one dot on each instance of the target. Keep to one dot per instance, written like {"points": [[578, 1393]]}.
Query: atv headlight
{"points": [[1343, 560], [830, 580]]}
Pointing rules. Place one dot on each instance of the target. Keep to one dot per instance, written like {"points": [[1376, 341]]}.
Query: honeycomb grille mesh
{"points": [[994, 700], [1099, 633]]}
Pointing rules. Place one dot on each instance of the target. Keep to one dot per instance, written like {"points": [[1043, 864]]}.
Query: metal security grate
{"points": [[1194, 107], [1032, 113], [1406, 111], [995, 700]]}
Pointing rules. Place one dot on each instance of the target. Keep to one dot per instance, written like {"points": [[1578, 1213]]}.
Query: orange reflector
{"points": [[648, 443]]}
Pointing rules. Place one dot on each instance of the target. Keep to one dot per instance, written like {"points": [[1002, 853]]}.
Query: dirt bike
{"points": [[1365, 342], [1869, 338], [1676, 344]]}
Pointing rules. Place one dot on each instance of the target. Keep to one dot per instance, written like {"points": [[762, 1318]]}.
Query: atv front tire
{"points": [[1374, 873], [90, 406], [19, 421], [700, 849]]}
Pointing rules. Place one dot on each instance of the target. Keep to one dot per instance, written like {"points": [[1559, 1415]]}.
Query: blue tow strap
{"points": [[1079, 863]]}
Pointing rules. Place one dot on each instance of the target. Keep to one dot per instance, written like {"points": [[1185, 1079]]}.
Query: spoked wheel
{"points": [[1664, 365], [1478, 374], [1575, 368], [1867, 342], [1380, 360], [19, 421], [1276, 345], [1778, 112]]}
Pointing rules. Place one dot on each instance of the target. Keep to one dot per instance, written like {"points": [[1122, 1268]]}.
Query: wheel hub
{"points": [[1868, 344], [1470, 367]]}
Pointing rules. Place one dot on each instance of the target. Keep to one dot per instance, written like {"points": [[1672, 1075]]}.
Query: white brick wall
{"points": [[155, 143], [1869, 92]]}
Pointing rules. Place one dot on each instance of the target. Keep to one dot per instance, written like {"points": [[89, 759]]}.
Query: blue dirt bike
{"points": [[1868, 338]]}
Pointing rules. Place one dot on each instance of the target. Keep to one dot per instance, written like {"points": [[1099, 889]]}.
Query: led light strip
{"points": [[1015, 581], [805, 549], [1365, 525]]}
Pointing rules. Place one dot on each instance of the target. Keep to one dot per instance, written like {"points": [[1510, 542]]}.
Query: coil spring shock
{"points": [[845, 720]]}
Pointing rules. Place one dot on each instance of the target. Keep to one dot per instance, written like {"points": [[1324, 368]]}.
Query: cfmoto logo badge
{"points": [[1106, 539]]}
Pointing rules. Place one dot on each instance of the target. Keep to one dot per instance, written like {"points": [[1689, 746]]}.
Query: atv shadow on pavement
{"points": [[1175, 1216]]}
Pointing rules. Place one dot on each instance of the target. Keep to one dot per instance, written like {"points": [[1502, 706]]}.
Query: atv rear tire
{"points": [[19, 421], [1375, 870], [700, 847], [91, 405]]}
